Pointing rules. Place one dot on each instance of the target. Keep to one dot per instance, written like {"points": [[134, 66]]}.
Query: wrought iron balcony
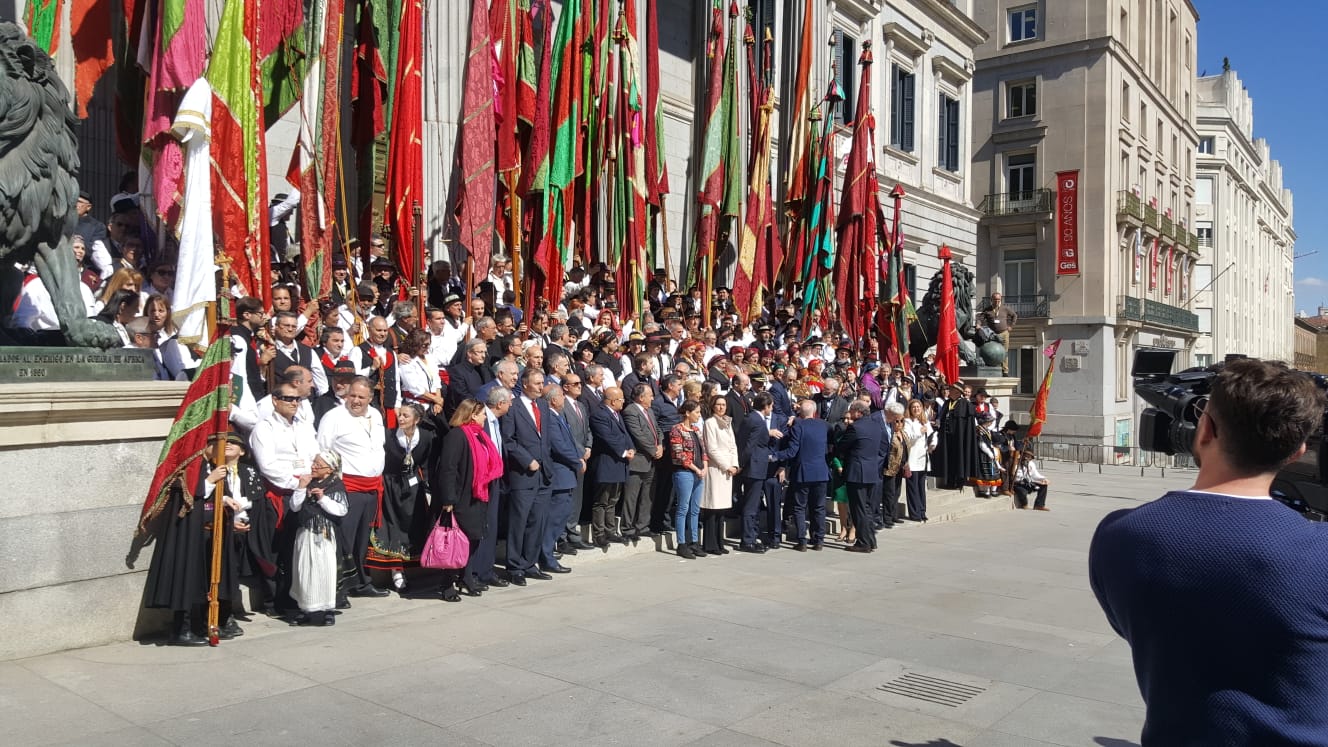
{"points": [[1156, 312], [1128, 206], [1036, 306], [1016, 203]]}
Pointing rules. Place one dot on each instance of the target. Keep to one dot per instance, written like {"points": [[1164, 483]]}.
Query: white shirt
{"points": [[443, 347], [495, 431], [35, 309], [359, 440], [284, 449], [529, 404], [418, 376], [364, 367], [1028, 472]]}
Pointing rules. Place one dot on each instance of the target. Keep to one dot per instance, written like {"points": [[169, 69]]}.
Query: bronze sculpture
{"points": [[977, 345], [39, 187]]}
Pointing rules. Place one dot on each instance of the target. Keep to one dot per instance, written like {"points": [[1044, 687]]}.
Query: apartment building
{"points": [[1102, 94], [1243, 217]]}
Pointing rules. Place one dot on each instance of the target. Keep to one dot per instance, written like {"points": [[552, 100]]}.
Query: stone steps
{"points": [[942, 506]]}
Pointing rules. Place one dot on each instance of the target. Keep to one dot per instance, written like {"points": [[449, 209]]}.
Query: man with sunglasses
{"points": [[284, 445]]}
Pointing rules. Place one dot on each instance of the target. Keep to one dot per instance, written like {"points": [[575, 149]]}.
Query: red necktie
{"points": [[534, 407]]}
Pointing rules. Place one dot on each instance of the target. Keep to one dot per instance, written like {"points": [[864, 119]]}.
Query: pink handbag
{"points": [[447, 547]]}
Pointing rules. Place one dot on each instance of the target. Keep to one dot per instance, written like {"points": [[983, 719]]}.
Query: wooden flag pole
{"points": [[218, 506]]}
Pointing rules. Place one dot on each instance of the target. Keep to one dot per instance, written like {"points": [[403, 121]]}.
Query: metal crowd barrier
{"points": [[1102, 455]]}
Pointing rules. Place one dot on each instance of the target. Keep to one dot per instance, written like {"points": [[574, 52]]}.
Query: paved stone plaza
{"points": [[979, 632]]}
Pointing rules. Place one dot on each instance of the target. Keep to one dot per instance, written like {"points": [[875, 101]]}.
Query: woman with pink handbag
{"points": [[469, 462]]}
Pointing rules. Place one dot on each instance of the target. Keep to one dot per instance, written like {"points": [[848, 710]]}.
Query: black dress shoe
{"points": [[565, 549], [186, 638], [723, 549], [450, 594], [818, 547], [754, 549], [472, 588], [773, 545], [496, 583], [602, 543], [649, 534], [230, 630], [557, 555], [800, 547], [618, 538], [518, 579], [329, 619], [536, 573], [555, 569], [343, 604], [580, 544], [369, 590], [858, 548]]}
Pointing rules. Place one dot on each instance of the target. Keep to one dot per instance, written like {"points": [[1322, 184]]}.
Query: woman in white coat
{"points": [[921, 436], [721, 447]]}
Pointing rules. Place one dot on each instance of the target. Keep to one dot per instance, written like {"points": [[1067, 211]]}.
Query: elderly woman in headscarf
{"points": [[317, 505]]}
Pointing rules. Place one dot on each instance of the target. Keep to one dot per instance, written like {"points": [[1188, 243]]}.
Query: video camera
{"points": [[1177, 400]]}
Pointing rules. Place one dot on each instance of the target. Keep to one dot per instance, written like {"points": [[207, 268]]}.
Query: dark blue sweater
{"points": [[1224, 602]]}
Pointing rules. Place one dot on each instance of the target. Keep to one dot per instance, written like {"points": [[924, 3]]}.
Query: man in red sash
{"points": [[377, 362], [284, 446], [355, 432]]}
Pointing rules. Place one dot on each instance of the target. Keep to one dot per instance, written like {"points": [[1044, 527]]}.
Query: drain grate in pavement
{"points": [[932, 689]]}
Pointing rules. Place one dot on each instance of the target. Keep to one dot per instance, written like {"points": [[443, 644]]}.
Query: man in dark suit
{"points": [[779, 390], [757, 440], [830, 405], [592, 395], [578, 420], [467, 377], [809, 473], [862, 449], [528, 449], [739, 403], [643, 372], [566, 464], [611, 455], [666, 415], [649, 445]]}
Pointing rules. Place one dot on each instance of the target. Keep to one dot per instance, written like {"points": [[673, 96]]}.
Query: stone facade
{"points": [[1243, 216], [1306, 337], [1106, 90], [78, 463]]}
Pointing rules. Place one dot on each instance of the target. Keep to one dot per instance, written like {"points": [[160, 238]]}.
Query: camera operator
{"points": [[1221, 591]]}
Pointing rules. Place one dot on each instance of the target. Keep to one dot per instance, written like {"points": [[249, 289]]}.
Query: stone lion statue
{"points": [[976, 345], [38, 186]]}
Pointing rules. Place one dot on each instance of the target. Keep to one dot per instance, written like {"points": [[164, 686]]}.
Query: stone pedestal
{"points": [[77, 460], [998, 386]]}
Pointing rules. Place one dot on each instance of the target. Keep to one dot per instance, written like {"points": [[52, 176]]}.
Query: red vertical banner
{"points": [[1067, 222]]}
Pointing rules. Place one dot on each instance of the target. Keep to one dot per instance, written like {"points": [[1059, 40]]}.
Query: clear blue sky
{"points": [[1278, 49]]}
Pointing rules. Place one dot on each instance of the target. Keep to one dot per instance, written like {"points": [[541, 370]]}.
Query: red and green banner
{"points": [[368, 91], [318, 148], [239, 161], [820, 257], [476, 202], [758, 251], [798, 183], [405, 154], [43, 21], [1038, 414], [855, 263], [202, 415]]}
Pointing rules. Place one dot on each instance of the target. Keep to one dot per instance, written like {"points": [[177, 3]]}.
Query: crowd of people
{"points": [[359, 424]]}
